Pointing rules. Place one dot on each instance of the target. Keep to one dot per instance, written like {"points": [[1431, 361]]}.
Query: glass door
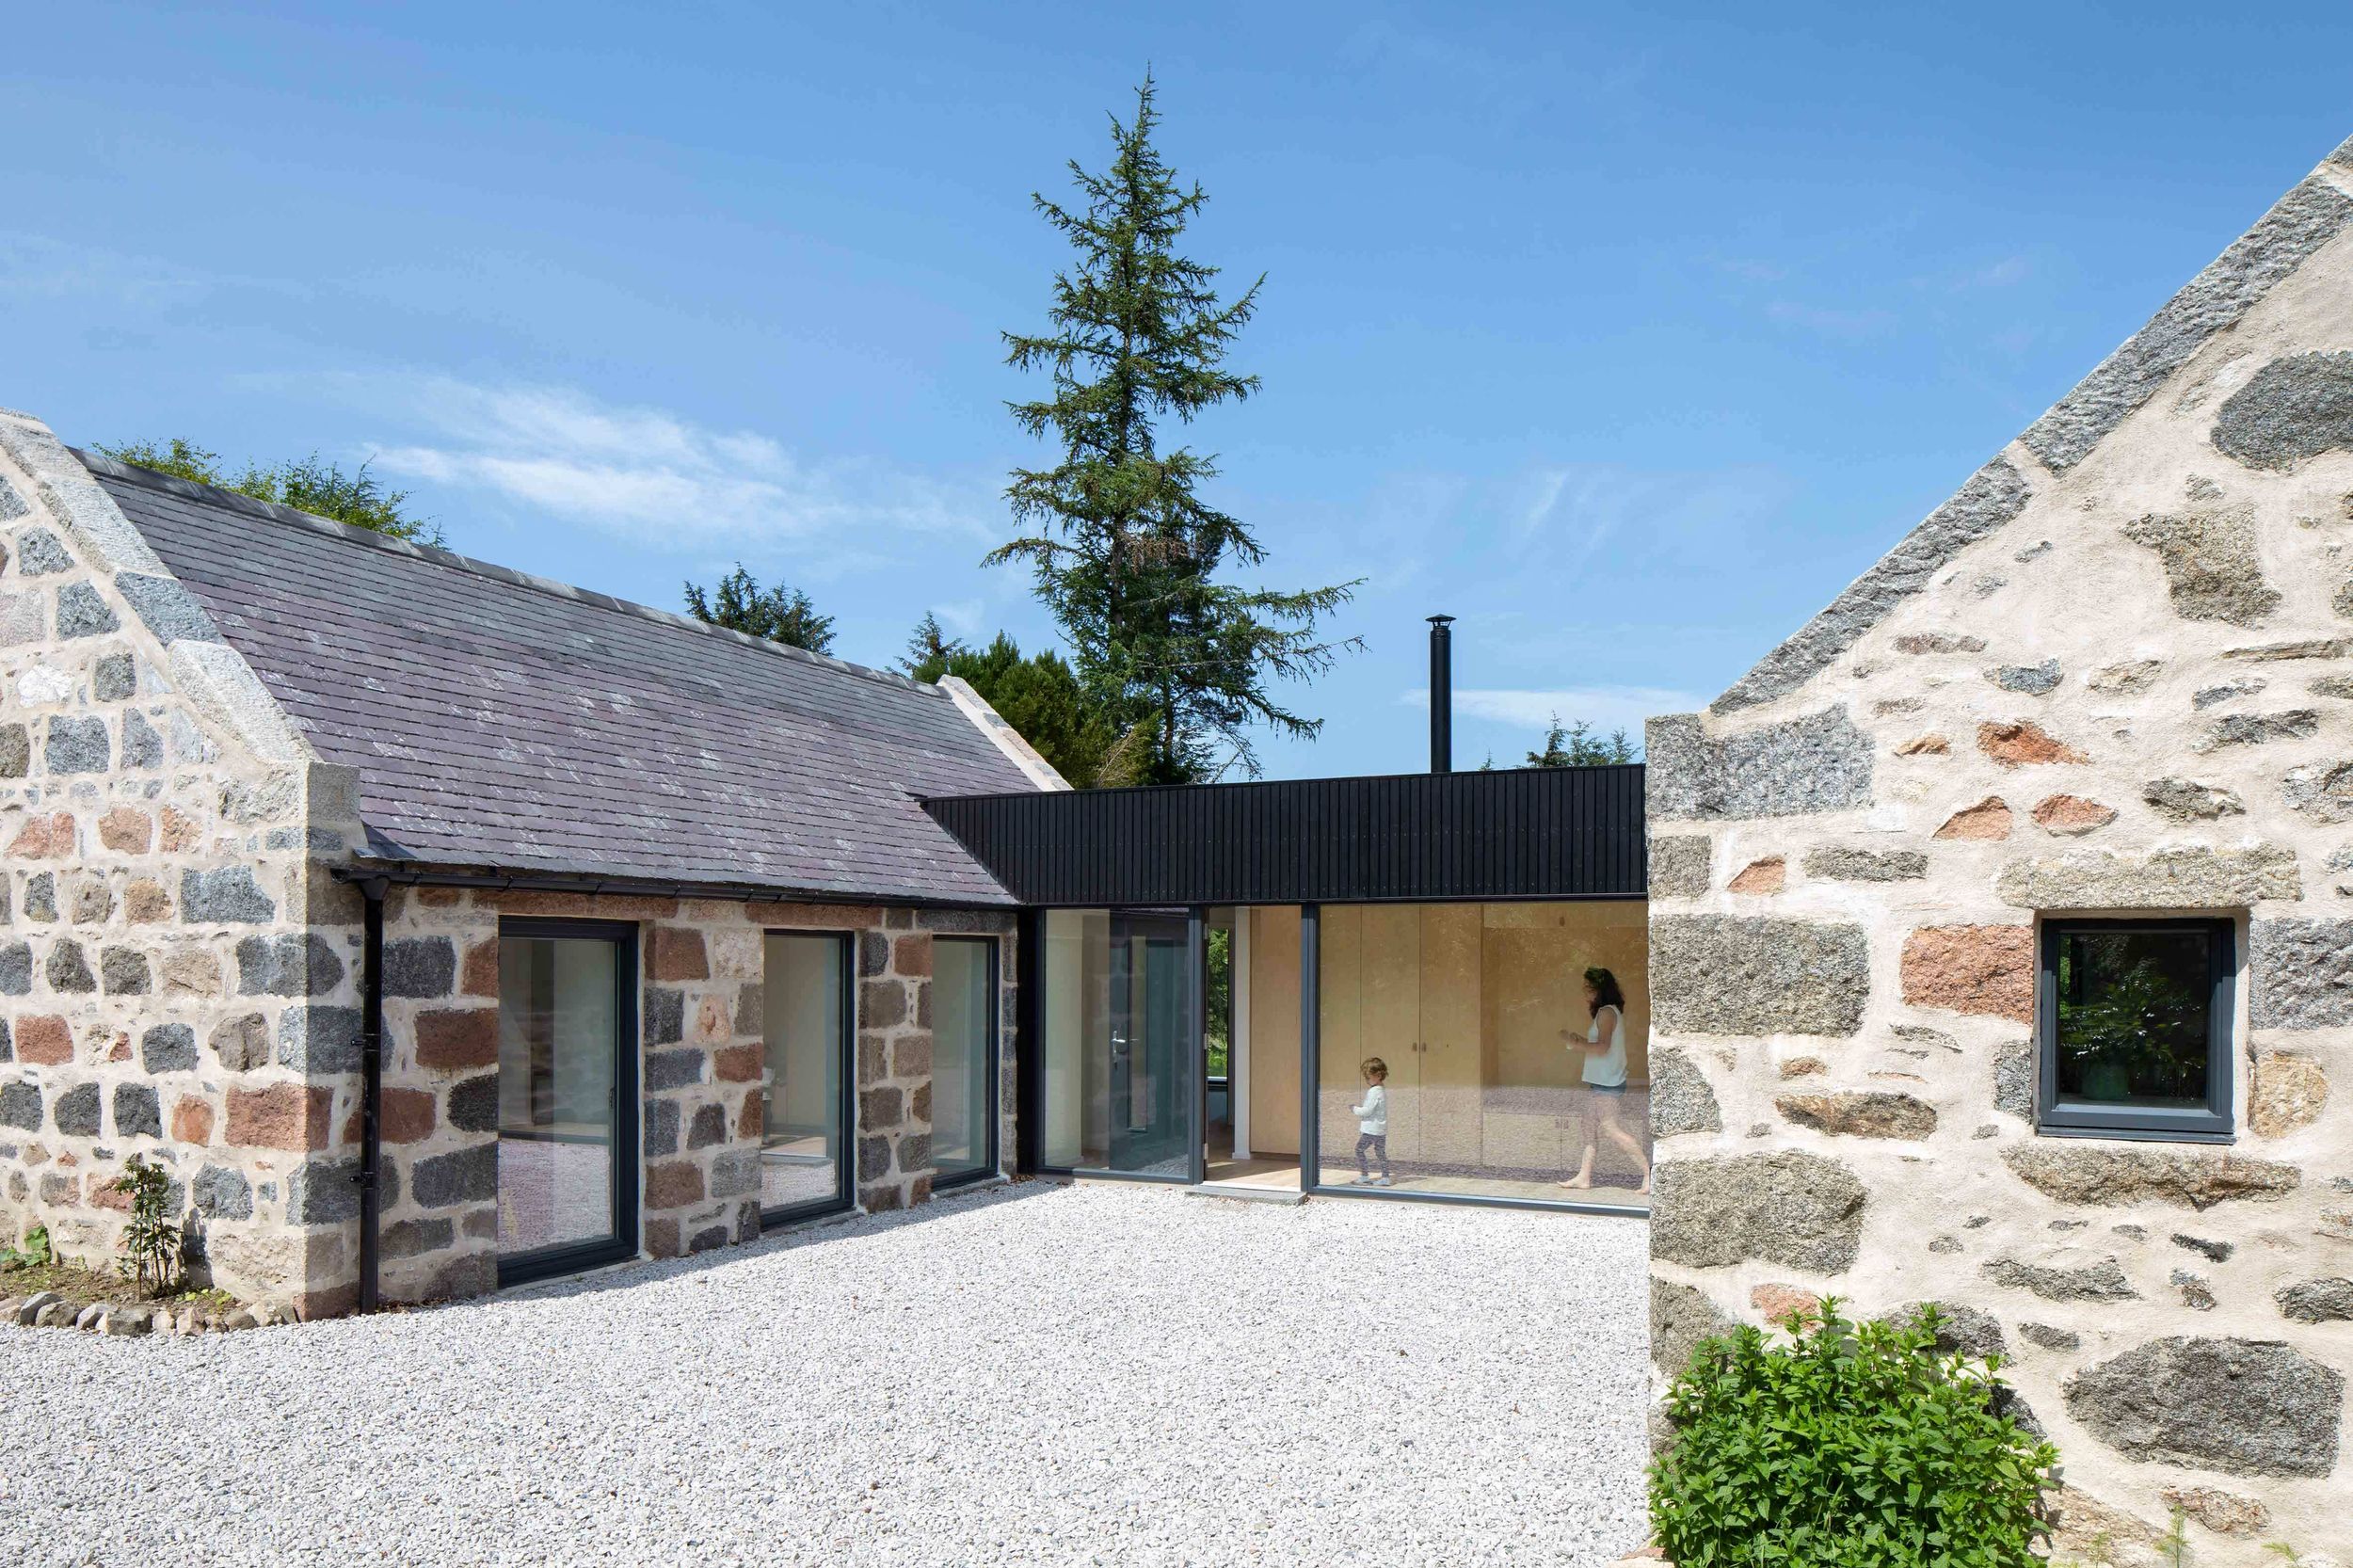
{"points": [[964, 1058], [1153, 1091], [804, 987], [568, 1096]]}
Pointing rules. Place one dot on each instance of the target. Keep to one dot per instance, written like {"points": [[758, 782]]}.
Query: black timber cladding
{"points": [[1523, 834]]}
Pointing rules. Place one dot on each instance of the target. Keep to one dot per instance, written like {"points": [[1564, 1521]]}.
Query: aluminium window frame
{"points": [[992, 1047], [2213, 1122], [844, 1199], [627, 1173]]}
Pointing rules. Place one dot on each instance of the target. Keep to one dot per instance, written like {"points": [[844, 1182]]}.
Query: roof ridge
{"points": [[272, 511]]}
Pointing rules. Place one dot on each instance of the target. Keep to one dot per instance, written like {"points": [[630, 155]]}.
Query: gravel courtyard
{"points": [[1036, 1374]]}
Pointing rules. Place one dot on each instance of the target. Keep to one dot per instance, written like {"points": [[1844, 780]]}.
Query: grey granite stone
{"points": [[2013, 1080], [2099, 1174], [76, 1111], [1680, 866], [141, 746], [2317, 1301], [465, 1176], [83, 613], [2033, 680], [16, 751], [289, 966], [2291, 409], [1729, 974], [1961, 1329], [1991, 497], [1817, 763], [168, 610], [473, 1104], [124, 973], [222, 1193], [324, 1192], [75, 744], [2242, 729], [39, 552], [420, 967], [21, 1105], [2250, 1407], [1839, 864], [167, 1049], [69, 970], [1781, 1206], [2212, 570], [2188, 878], [2301, 975], [228, 895], [16, 968], [2321, 790], [318, 1040], [2184, 800], [1680, 1099], [2300, 223], [137, 1111], [2100, 1281], [114, 677], [1681, 1316]]}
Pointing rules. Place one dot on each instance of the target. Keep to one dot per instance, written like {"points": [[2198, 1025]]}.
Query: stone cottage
{"points": [[2002, 925], [438, 925]]}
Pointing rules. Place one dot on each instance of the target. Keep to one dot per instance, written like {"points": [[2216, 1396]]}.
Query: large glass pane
{"points": [[2134, 1017], [803, 1015], [964, 1013], [1117, 1001], [559, 1035], [1504, 1071]]}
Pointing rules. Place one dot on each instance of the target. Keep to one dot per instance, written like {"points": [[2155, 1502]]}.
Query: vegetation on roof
{"points": [[310, 483]]}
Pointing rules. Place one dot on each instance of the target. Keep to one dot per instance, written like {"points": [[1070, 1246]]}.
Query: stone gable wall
{"points": [[701, 1067], [162, 990], [2114, 675]]}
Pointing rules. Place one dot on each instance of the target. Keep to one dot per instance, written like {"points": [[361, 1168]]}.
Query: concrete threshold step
{"points": [[1243, 1193]]}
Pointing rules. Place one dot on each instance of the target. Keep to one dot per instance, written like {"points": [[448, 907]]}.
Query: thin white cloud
{"points": [[650, 475], [34, 266], [962, 616], [1830, 322], [1604, 708]]}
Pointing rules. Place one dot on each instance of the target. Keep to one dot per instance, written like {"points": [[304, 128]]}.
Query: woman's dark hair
{"points": [[1606, 992]]}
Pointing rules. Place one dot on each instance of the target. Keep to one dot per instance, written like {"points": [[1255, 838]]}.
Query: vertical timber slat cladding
{"points": [[2109, 684], [1521, 833]]}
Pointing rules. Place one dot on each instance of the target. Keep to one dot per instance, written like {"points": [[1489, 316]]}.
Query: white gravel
{"points": [[1035, 1374]]}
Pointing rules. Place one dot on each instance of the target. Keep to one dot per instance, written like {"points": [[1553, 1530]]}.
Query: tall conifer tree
{"points": [[1126, 553]]}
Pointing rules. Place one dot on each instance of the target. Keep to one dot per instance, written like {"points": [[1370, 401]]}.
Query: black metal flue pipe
{"points": [[1441, 695]]}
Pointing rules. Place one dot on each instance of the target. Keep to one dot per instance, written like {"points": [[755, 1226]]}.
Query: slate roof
{"points": [[501, 721]]}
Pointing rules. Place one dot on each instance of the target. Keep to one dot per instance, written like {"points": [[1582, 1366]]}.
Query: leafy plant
{"points": [[35, 1254], [150, 1242], [2174, 1542], [307, 484], [1849, 1446]]}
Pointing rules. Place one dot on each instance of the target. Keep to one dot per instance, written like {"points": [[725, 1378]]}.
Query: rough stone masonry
{"points": [[2114, 674], [179, 970]]}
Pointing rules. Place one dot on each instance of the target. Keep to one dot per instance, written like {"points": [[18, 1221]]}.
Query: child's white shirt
{"points": [[1373, 1117]]}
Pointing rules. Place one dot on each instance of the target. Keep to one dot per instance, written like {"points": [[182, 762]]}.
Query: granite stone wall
{"points": [[2114, 674], [701, 1067], [164, 987]]}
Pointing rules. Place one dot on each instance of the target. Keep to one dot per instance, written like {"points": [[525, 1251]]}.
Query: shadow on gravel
{"points": [[829, 1230]]}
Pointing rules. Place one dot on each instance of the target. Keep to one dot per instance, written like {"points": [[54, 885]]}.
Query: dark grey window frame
{"points": [[991, 1068], [628, 1166], [845, 1079], [2210, 1123]]}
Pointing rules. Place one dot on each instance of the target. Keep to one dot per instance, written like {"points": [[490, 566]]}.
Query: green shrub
{"points": [[1846, 1445], [150, 1242]]}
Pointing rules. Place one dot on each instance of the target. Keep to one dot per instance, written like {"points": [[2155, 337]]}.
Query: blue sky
{"points": [[1627, 335]]}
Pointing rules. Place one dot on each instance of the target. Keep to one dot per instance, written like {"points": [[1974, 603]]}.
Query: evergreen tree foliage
{"points": [[779, 614], [307, 484], [929, 646], [1043, 698], [1125, 550], [1576, 746]]}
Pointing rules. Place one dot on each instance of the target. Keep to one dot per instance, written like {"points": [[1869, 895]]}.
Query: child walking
{"points": [[1372, 1122]]}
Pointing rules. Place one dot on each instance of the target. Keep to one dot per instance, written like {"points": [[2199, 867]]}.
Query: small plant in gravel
{"points": [[150, 1242], [1848, 1445]]}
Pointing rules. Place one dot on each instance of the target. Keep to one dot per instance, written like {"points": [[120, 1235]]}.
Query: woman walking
{"points": [[1604, 1075]]}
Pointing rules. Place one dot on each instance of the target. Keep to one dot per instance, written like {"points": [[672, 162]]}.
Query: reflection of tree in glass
{"points": [[1216, 1029], [2126, 1027]]}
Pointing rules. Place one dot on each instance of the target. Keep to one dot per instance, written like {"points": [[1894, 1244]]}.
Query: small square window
{"points": [[2135, 1021]]}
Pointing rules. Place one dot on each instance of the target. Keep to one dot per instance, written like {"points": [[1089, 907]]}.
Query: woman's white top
{"points": [[1373, 1117], [1607, 1069]]}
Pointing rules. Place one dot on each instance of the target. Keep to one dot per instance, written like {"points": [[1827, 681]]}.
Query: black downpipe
{"points": [[1441, 695], [371, 1085]]}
